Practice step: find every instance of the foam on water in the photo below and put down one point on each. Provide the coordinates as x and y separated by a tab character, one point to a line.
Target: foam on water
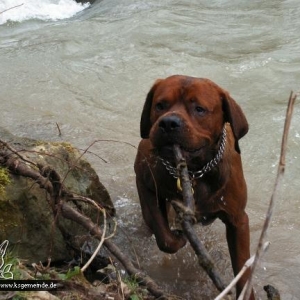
22	10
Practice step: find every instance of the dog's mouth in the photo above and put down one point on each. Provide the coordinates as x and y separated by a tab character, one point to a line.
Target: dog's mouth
168	150
190	150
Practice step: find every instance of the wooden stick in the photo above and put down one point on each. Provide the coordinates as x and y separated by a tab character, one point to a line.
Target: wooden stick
204	258
280	172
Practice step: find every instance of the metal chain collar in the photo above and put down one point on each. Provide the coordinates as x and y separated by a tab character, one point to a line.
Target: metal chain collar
210	165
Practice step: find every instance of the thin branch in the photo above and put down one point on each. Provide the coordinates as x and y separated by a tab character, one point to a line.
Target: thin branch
235	280
90	152
133	146
58	128
280	172
71	214
88	200
1	12
102	239
87	150
17	153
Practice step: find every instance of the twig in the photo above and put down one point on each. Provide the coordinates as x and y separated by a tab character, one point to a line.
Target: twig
17	153
71	214
119	280
58	128
246	266
1	12
90	152
204	258
88	200
87	150
102	239
41	268
280	172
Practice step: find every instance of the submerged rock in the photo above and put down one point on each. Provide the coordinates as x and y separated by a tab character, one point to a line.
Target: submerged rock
85	1
26	218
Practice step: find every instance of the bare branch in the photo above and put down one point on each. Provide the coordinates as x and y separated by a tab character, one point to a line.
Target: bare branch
58	128
279	177
71	214
1	12
246	266
102	239
17	153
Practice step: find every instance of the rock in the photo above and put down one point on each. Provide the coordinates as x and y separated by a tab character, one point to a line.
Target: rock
85	1
26	219
272	292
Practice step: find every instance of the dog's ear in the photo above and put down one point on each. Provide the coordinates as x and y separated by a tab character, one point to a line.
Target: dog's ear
235	116
145	124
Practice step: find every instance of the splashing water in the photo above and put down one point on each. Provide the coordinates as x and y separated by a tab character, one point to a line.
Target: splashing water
21	10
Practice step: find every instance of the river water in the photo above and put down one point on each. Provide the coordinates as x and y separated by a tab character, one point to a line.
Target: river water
88	69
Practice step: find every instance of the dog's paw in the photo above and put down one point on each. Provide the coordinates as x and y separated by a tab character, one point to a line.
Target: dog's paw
172	241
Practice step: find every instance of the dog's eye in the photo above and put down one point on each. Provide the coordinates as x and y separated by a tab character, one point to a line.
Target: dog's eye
159	106
200	110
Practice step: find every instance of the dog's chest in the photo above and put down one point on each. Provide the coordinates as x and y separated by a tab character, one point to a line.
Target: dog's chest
208	200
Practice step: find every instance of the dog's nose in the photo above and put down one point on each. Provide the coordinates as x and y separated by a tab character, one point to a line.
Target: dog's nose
170	123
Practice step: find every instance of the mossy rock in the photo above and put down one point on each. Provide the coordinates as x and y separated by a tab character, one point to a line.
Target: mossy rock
26	218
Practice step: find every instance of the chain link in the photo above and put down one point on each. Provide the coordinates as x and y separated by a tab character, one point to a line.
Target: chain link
210	165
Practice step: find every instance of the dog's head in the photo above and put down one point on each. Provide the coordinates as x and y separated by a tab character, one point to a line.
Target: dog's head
190	112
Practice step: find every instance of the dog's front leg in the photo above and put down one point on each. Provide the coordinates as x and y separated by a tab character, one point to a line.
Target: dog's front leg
238	239
155	215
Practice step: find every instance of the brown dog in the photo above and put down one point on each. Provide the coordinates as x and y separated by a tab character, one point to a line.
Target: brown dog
206	123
